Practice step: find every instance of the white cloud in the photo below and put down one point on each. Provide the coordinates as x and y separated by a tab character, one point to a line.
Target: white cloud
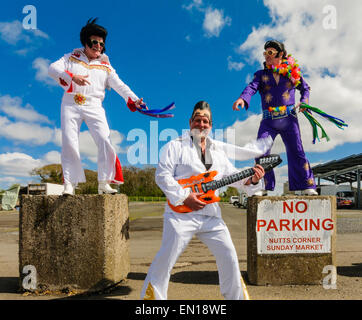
18	164
330	62
41	66
13	108
193	4
214	22
24	132
15	167
233	65
214	19
13	33
52	157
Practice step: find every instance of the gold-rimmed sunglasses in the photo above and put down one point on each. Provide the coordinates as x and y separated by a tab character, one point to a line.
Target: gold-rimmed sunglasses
270	53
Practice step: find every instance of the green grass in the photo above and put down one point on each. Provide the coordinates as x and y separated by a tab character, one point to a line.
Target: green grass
139	210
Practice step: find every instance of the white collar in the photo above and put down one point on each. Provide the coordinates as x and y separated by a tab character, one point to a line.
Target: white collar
80	51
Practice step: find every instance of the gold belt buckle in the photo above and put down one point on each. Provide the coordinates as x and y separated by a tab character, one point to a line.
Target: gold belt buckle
79	99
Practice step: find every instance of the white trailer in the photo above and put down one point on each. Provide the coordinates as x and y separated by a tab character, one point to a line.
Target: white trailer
45	189
332	189
240	200
344	194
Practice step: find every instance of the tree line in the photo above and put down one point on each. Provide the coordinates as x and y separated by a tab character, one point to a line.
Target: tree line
137	181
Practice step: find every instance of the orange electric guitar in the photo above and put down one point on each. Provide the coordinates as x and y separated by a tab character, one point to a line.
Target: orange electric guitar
204	183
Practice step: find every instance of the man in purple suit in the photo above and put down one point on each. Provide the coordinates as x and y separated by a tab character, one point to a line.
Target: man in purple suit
276	84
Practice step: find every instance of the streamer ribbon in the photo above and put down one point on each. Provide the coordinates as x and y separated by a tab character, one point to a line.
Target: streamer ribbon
157	113
314	123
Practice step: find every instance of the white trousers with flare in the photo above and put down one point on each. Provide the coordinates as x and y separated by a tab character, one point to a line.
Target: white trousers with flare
178	230
72	117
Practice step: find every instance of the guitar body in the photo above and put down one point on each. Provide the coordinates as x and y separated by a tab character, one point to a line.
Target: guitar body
204	183
194	183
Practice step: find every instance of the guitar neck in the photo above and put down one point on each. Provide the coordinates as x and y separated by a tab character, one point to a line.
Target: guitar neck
216	184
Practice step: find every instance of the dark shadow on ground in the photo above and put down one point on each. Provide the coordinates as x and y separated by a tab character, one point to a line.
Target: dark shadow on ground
196	277
9	285
115	291
137	276
191	277
350	271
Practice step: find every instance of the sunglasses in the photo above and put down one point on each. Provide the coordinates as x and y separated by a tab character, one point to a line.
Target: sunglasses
270	53
95	42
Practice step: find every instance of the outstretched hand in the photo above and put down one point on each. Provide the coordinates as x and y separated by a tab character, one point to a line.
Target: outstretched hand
139	103
240	102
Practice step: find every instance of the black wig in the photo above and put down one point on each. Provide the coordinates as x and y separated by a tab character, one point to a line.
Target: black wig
277	45
201	105
92	29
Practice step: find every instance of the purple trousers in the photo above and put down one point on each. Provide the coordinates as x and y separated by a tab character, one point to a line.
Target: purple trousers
300	174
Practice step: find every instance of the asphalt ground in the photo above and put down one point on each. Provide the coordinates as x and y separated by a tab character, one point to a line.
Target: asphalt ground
194	276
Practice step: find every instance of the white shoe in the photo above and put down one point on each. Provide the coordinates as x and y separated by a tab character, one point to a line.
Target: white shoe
258	193
105	188
68	189
309	192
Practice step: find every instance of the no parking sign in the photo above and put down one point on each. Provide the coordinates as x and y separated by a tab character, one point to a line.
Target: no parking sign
294	226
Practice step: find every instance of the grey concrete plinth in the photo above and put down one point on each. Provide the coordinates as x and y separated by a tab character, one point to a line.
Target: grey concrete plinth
74	242
291	239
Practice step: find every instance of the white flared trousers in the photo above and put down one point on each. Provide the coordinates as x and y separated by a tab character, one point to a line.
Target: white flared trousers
178	230
72	117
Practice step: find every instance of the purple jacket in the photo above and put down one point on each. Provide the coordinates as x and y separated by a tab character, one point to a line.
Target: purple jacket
273	94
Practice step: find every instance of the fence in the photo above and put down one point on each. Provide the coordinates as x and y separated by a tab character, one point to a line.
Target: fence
158	199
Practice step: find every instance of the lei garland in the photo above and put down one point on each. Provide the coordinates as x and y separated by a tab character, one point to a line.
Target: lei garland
288	68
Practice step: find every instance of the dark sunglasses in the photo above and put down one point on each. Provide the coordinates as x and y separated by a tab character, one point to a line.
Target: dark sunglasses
95	42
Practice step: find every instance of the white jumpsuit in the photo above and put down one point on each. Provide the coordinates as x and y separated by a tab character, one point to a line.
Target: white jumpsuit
181	160
84	103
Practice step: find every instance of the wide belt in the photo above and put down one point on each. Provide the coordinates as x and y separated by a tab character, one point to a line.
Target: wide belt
81	99
278	112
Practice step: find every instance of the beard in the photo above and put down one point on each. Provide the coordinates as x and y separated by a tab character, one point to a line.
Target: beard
198	134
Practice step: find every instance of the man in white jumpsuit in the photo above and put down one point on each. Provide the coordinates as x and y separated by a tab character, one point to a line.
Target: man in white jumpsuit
189	155
84	75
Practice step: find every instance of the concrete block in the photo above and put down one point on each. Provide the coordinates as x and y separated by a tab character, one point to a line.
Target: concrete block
290	239
74	242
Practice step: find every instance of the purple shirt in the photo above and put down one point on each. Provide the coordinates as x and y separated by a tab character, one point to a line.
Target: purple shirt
273	94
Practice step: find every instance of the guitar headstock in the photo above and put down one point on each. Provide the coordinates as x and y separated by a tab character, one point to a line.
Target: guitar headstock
269	162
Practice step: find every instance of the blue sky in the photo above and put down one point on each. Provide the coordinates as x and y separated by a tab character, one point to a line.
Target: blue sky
181	51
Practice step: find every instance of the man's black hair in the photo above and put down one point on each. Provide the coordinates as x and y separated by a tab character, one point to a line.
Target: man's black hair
202	105
277	45
92	29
